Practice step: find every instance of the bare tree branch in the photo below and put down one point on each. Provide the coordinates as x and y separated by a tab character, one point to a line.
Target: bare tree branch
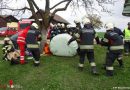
33	12
61	9
58	4
25	8
36	6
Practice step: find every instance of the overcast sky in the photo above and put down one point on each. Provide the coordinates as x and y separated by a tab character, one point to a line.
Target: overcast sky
116	16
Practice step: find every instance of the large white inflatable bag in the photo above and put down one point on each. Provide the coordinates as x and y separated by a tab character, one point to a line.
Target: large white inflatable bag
59	47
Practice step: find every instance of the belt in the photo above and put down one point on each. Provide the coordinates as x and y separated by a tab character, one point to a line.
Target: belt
86	46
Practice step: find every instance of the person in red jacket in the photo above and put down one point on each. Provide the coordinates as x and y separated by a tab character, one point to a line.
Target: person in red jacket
21	43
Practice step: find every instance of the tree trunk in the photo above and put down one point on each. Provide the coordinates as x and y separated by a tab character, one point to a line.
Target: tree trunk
44	38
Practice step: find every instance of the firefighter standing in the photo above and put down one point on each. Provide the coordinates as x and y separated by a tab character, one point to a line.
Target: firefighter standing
32	43
114	42
86	36
21	43
119	59
127	40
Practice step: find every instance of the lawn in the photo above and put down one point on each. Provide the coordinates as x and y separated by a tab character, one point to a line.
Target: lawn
61	73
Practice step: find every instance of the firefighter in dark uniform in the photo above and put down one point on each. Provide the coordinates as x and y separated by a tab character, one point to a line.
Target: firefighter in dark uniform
32	43
77	23
114	42
76	30
127	40
86	36
55	31
119	59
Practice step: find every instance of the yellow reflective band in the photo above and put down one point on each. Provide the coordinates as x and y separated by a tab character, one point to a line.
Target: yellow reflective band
86	46
92	64
109	68
32	46
105	40
81	65
77	35
116	47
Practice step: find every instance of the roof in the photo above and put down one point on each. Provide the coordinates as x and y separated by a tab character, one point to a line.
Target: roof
9	18
56	18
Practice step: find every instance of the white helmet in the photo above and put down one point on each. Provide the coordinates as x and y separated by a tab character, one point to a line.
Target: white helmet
35	25
109	26
58	25
52	25
86	21
63	25
6	39
77	20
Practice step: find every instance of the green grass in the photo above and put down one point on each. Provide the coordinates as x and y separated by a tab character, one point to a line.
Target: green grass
100	34
61	73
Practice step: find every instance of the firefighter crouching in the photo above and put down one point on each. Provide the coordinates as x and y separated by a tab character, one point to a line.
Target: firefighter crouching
32	43
9	53
86	36
114	42
127	40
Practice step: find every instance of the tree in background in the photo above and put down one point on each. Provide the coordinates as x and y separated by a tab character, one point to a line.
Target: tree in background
95	20
88	5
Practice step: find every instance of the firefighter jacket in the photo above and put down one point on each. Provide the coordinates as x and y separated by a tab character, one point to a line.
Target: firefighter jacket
33	36
117	30
22	35
113	41
86	36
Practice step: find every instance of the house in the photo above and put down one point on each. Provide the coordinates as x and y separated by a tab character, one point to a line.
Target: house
8	21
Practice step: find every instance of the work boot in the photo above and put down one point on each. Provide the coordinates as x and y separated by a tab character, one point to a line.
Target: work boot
109	72
104	66
126	54
80	68
94	70
36	63
14	62
22	62
121	65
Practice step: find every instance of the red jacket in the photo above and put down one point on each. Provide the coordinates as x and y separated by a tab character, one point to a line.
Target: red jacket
22	35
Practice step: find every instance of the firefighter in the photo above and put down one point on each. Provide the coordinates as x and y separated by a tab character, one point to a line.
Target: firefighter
120	57
76	30
9	53
32	43
21	43
127	40
6	48
86	36
77	23
114	42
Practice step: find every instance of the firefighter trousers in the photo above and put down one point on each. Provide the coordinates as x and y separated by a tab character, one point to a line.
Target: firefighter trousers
127	47
90	56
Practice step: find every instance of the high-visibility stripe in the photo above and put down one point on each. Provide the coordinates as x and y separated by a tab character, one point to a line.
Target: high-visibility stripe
36	61
21	37
93	64
109	68
86	46
105	40
21	57
32	46
77	35
21	41
127	40
116	47
81	65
